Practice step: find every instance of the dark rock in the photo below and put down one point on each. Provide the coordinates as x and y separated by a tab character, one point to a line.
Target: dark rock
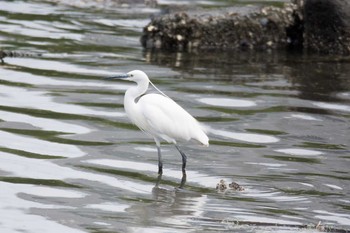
243	27
317	25
327	26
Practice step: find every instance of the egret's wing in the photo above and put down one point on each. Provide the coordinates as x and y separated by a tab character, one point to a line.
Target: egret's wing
168	120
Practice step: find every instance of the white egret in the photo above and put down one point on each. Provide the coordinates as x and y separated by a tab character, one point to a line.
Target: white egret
159	116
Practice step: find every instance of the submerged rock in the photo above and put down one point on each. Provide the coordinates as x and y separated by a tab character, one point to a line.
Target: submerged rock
223	187
258	28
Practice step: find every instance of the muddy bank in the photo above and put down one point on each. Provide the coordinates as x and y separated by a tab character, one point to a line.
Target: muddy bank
297	25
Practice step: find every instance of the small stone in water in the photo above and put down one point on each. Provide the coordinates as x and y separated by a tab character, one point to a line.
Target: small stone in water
236	186
222	186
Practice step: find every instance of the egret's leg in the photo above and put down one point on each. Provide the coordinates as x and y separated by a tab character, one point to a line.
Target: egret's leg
159	178
160	160
183	180
184	159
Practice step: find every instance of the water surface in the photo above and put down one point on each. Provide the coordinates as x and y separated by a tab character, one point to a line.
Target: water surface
70	161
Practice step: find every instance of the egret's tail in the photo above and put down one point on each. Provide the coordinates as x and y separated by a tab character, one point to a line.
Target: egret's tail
203	138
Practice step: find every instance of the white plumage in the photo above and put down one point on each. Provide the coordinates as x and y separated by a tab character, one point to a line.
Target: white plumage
165	119
159	116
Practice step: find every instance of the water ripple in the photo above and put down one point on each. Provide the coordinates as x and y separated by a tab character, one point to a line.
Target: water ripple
294	151
13	208
15	96
32	145
224	102
42	169
247	137
44	123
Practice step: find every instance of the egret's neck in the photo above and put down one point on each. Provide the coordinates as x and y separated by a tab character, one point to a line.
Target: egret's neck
130	97
136	91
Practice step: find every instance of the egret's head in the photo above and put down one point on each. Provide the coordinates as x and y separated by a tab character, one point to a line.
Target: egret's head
135	75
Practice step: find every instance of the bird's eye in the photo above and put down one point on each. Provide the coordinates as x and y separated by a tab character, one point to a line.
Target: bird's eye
131	75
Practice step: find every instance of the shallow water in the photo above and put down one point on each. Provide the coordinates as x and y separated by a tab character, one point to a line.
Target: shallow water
70	161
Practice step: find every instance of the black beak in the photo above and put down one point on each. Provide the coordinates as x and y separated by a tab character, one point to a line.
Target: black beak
120	76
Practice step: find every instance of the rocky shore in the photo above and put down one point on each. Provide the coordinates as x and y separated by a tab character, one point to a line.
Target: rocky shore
313	25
